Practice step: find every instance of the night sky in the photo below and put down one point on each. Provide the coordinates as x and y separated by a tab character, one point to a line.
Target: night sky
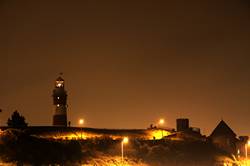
128	63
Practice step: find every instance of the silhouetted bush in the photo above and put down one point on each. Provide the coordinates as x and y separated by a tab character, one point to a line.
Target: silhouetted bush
16	121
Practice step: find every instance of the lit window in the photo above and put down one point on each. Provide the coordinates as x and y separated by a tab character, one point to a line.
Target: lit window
59	84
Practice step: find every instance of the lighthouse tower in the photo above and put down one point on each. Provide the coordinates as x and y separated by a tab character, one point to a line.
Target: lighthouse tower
60	102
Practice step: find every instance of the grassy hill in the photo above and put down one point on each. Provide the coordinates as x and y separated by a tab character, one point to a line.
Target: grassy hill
20	146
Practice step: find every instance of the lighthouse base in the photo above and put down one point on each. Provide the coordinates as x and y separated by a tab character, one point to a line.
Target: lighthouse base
60	120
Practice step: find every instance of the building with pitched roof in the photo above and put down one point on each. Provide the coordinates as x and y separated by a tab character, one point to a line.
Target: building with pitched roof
224	137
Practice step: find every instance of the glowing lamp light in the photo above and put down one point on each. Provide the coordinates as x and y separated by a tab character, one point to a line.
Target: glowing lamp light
238	151
125	140
81	121
161	121
248	143
59	84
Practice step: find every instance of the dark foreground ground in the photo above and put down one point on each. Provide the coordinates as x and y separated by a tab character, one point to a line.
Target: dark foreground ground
20	148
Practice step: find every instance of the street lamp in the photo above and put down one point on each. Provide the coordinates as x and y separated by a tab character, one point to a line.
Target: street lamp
161	123
0	110
246	147
81	122
124	141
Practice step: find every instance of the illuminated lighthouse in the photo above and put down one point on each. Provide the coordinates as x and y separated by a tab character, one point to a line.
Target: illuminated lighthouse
60	102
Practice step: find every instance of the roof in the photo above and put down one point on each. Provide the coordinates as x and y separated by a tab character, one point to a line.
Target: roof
222	129
59	79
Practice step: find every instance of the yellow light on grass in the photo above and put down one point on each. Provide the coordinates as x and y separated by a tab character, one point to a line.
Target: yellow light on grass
157	134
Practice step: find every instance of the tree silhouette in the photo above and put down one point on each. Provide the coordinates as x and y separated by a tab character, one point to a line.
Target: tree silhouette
17	120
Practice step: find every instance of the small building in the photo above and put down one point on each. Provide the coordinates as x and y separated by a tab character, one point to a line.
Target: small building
182	124
224	137
184	132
